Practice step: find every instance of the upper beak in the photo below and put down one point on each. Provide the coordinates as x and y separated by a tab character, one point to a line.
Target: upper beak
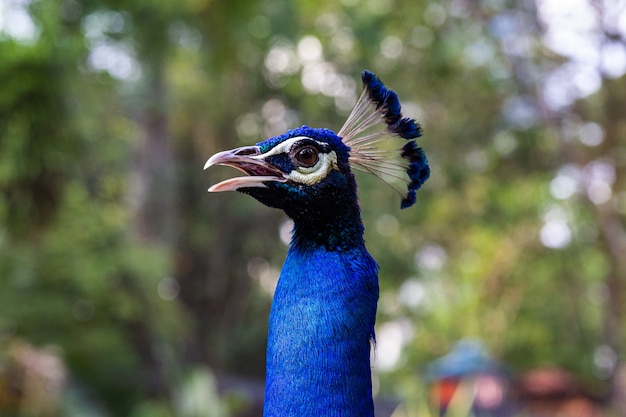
247	159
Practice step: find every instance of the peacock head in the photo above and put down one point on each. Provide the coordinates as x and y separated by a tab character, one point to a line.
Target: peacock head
311	167
299	168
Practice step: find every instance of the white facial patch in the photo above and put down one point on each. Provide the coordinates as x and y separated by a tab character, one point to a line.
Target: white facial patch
317	172
305	175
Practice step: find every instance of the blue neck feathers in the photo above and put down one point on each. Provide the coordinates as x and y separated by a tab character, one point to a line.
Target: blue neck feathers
320	330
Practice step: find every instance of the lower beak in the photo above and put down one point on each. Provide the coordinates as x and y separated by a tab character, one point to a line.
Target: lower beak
247	159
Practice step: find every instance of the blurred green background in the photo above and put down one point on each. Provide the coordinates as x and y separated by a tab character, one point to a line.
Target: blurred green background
127	290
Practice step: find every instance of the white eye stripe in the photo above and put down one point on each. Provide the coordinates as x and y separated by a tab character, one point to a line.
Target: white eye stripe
285	147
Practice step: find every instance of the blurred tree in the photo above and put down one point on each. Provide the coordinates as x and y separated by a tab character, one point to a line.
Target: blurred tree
71	275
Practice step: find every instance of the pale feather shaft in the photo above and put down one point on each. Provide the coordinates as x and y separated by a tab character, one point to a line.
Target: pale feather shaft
363	116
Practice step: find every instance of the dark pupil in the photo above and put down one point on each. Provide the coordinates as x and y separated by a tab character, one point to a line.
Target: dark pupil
307	156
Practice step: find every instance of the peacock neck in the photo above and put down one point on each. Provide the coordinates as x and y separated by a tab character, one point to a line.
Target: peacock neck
332	235
320	330
334	223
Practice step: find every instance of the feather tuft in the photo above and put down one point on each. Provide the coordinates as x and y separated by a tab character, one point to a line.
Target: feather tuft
376	107
406	128
418	169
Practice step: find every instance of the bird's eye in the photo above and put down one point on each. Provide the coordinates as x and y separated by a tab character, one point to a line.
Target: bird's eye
307	156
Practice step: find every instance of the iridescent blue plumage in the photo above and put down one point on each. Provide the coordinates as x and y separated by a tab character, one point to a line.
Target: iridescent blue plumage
321	325
322	320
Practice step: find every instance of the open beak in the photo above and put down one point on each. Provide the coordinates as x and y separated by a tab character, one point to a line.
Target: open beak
247	159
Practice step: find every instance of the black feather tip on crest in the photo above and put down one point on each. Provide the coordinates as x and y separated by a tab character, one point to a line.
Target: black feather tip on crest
387	102
418	171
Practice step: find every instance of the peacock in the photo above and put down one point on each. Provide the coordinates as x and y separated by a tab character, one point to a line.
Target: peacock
321	324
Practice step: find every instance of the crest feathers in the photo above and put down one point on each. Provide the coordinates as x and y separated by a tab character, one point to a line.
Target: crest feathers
374	121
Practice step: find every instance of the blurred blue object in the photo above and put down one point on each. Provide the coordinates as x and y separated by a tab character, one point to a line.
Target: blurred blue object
468	357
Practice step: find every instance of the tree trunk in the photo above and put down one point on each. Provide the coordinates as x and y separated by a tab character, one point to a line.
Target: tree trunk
613	235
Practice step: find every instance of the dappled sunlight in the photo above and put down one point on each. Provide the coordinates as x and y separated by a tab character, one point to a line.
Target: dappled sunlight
16	22
556	232
106	54
265	275
566	183
573	32
116	59
431	258
599	176
278	118
412	293
168	288
391	337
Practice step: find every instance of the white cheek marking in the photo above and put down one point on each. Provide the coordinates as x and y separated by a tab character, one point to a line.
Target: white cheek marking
317	172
